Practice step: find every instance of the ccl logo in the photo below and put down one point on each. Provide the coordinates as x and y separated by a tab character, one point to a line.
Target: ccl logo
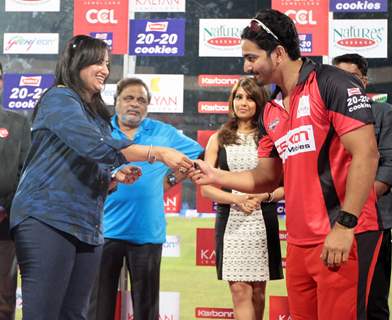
301	17
104	16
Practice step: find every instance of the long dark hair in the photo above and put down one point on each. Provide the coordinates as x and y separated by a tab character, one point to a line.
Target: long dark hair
80	52
228	133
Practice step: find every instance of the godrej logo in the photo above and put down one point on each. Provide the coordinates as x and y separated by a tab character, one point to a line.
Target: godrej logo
103	16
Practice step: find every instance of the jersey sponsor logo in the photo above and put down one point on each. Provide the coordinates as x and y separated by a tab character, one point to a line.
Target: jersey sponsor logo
296	141
353	91
303	107
358	102
4	133
272	125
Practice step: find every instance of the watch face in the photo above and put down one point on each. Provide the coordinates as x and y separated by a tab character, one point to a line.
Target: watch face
171	179
348	220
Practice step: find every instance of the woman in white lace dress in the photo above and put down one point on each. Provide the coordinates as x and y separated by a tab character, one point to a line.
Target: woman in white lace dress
247	239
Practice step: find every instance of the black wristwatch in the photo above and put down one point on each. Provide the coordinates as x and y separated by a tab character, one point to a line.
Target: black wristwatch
171	179
347	220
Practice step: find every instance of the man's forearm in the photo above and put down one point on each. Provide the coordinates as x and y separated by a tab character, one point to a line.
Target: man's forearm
360	180
251	181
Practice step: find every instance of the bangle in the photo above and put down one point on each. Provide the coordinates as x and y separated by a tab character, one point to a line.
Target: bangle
270	197
150	157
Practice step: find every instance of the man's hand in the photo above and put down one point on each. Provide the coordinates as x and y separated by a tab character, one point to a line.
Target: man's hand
203	173
337	246
127	174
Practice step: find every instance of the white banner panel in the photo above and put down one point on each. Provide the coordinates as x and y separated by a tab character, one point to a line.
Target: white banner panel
169	305
108	93
32	5
156	6
171	248
31	43
221	37
167	92
367	37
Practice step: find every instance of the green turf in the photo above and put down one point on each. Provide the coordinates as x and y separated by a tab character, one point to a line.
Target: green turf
198	285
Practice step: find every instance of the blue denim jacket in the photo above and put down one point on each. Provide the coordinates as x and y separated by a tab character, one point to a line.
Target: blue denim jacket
67	172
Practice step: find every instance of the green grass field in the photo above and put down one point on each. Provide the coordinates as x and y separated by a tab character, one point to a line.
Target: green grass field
198	285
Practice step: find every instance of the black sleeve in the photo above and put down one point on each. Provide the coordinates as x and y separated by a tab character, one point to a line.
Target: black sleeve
344	98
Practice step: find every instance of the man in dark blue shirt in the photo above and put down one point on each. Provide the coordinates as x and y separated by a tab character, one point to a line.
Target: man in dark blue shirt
378	308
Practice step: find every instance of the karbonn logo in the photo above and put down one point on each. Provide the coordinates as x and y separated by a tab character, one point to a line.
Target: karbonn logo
301	17
298	140
104	16
358	6
212	80
213	107
214	313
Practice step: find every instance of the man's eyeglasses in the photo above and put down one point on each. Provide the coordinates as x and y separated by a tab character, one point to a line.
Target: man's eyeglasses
256	24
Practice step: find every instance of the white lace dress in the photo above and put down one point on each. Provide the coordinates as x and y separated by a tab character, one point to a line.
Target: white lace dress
245	252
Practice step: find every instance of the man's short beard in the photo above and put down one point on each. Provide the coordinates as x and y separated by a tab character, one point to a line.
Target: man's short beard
130	123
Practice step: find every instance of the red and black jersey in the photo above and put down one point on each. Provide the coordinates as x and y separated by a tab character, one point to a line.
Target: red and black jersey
326	103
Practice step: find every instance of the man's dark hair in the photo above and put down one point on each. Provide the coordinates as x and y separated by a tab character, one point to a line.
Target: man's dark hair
353	58
80	52
282	26
124	83
1	71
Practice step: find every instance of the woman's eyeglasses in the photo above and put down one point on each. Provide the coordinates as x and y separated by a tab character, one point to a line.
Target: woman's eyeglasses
256	25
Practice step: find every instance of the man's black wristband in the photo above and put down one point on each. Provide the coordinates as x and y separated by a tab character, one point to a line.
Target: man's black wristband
347	219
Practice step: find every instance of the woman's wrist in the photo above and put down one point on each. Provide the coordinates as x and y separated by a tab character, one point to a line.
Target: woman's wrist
269	197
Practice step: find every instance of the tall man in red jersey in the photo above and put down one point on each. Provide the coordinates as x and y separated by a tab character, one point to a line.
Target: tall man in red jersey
317	130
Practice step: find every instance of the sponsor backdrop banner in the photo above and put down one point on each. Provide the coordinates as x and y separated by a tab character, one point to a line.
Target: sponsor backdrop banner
203	205
32	5
169	306
221	37
157	37
167	92
108	92
156	6
311	20
367	37
205	247
173	199
22	91
106	19
171	248
358	5
31	43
